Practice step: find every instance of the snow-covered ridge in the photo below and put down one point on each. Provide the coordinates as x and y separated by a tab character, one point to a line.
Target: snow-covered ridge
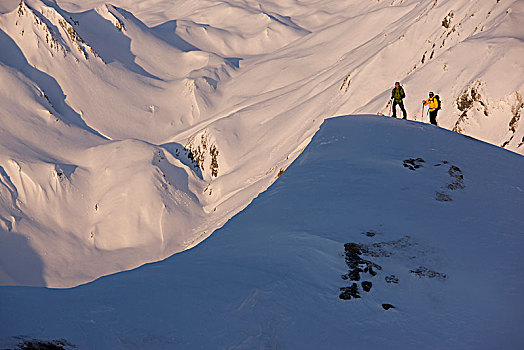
45	18
176	115
110	13
387	246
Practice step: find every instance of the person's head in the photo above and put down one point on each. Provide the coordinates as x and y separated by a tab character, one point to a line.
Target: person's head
431	94
397	84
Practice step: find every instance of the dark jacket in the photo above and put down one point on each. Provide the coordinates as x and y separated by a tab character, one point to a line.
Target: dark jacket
398	94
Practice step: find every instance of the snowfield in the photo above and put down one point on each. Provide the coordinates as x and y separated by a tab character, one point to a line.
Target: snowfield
131	131
440	229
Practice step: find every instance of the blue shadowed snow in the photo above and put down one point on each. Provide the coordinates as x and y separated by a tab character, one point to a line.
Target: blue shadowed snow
271	277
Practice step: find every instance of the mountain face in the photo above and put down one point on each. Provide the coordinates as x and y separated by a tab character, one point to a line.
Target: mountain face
132	130
356	245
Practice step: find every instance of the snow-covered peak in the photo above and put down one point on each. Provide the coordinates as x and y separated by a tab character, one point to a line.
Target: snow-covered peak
359	244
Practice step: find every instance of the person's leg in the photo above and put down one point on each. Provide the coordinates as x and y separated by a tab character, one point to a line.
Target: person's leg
394	115
404	113
433	117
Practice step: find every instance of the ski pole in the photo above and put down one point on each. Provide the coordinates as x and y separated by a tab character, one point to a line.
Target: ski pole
390	104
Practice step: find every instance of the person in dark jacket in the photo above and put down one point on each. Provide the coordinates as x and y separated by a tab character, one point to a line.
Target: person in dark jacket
397	95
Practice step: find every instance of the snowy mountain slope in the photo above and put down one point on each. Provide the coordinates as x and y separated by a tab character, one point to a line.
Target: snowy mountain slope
132	78
115	196
442	230
128	90
398	40
309	86
479	85
68	191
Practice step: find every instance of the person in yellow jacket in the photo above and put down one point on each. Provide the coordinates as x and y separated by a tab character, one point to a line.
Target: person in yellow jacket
433	103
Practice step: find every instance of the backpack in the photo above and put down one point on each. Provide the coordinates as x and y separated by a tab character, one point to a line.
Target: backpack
438	102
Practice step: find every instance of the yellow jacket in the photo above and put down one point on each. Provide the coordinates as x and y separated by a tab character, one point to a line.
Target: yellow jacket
432	103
